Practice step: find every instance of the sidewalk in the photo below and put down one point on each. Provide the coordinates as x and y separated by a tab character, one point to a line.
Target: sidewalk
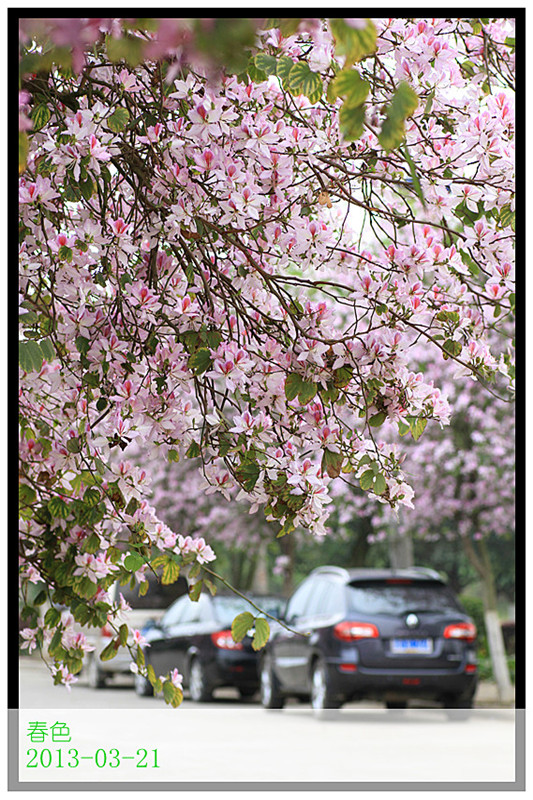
487	696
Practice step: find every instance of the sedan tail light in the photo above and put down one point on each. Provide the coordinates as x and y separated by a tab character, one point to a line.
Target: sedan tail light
351	631
225	641
466	631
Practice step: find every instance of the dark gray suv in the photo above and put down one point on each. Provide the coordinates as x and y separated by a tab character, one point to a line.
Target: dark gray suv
391	635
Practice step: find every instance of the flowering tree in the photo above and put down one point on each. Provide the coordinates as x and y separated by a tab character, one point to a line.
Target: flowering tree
464	481
234	265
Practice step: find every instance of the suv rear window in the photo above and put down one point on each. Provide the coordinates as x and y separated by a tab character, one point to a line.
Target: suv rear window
382	597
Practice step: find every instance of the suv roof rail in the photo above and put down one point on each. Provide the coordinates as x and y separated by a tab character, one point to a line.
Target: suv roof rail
343	573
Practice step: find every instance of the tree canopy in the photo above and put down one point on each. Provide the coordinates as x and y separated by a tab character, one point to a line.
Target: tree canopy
234	239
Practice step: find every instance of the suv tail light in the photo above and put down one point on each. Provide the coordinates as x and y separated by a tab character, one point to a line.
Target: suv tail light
350	631
461	630
225	641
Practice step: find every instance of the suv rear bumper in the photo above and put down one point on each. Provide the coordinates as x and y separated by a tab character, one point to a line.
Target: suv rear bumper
388	684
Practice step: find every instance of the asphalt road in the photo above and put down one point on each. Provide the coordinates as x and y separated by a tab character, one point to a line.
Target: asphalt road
37	691
235	740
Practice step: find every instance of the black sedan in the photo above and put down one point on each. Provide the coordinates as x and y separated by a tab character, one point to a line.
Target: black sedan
381	634
195	638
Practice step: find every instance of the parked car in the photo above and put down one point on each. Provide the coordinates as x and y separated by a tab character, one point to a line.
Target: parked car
151	605
195	638
391	635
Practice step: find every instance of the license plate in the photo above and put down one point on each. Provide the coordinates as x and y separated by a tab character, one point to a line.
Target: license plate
421	647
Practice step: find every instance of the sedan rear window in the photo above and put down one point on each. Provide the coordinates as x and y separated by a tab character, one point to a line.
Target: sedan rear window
380	597
227	608
158	596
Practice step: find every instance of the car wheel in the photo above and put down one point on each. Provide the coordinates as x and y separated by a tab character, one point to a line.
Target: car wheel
321	695
396	704
458	701
458	709
247	691
271	696
199	689
143	687
95	677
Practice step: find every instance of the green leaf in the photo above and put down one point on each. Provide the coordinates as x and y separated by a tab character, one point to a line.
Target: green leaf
52	617
302	80
133	562
351	122
403	104
55	644
171	572
193	451
507	217
353	43
110	651
378	419
123	635
285	64
23	150
40	116
65	253
92	544
342	377
349	85
261	634
268	64
47	349
331	463
128	49
211	586
27	494
366	480
30	356
195	591
452	347
293	385
73	445
403	428
418	427
256	75
241	625
82	345
159	561
173	696
87	188
92	497
307	392
200	361
414	176
58	508
91	379
287	26
118	120
247	474
173	455
380	484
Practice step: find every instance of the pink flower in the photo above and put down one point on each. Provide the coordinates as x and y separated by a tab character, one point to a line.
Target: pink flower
139	639
97	151
119	226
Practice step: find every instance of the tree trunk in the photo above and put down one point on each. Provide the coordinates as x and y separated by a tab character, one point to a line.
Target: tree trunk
359	545
287	547
400	551
259	581
481	563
